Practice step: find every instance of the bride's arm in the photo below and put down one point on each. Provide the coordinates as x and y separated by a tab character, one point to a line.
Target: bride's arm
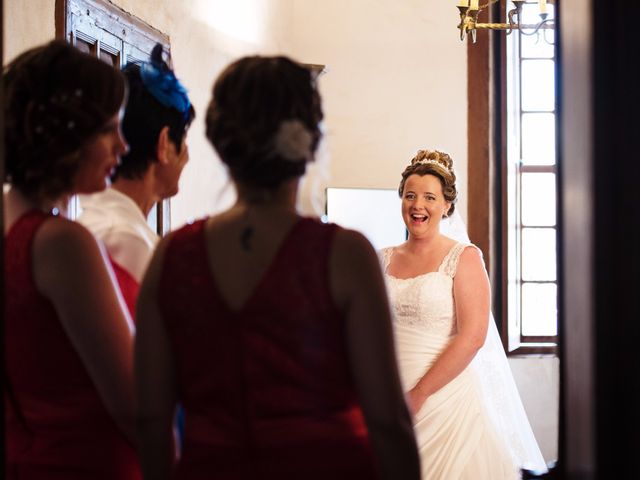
472	299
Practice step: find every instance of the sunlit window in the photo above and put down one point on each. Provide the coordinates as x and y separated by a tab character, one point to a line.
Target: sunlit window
531	185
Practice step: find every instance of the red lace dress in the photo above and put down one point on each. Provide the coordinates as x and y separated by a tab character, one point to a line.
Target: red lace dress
267	390
56	424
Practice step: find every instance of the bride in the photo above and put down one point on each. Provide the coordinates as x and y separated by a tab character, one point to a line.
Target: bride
468	417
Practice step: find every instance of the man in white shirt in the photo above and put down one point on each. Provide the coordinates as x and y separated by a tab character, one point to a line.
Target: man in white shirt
155	123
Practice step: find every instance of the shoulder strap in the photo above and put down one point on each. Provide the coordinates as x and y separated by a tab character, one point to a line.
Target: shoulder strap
384	256
449	264
186	241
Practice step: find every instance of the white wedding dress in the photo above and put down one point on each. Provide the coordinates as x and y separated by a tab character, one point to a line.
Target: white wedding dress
459	433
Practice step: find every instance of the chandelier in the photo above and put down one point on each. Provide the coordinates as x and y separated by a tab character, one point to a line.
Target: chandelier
470	9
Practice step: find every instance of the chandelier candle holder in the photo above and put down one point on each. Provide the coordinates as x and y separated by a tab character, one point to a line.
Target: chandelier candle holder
470	9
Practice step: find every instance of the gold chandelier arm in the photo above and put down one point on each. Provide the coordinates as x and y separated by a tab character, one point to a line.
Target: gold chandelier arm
506	26
469	17
493	26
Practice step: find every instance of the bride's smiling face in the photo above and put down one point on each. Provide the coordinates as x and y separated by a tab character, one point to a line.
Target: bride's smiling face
423	205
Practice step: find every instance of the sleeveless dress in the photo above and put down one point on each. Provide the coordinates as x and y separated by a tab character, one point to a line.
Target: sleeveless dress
267	390
456	438
56	424
129	286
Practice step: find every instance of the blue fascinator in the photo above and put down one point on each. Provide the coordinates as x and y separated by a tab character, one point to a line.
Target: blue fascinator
162	83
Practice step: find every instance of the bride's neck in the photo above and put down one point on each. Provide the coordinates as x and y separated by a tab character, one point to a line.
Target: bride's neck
422	245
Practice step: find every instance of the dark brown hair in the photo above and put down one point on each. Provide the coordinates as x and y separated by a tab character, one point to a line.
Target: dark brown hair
251	99
56	100
438	164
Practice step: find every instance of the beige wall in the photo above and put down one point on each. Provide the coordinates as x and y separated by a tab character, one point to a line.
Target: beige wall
396	82
205	36
27	24
388	65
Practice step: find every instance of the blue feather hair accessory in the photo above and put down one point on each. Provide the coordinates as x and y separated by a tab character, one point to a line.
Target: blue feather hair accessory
162	83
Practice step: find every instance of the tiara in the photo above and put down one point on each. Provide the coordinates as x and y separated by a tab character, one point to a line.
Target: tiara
431	161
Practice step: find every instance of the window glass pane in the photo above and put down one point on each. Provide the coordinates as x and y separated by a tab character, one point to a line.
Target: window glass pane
538	88
539	309
538	139
85	47
531	12
539	254
539	199
108	58
540	44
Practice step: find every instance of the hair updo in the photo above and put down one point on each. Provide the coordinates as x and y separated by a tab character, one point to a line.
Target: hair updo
56	99
264	120
438	164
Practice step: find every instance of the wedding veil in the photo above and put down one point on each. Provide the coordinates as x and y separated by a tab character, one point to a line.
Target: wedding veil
499	390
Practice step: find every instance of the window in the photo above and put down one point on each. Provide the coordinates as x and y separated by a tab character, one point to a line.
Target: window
531	187
100	28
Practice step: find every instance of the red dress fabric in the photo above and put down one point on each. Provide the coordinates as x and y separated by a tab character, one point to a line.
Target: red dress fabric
267	390
56	424
129	287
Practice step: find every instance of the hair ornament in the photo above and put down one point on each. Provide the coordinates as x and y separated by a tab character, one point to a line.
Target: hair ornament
425	161
431	161
162	83
59	112
293	141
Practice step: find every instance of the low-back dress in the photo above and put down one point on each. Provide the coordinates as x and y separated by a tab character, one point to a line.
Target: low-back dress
267	389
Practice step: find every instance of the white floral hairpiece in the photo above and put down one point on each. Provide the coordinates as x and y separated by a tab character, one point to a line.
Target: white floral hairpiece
293	141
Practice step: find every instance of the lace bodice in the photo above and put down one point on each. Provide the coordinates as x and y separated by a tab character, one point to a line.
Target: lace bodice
425	301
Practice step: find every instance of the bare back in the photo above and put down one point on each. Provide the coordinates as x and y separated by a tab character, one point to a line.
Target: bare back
237	266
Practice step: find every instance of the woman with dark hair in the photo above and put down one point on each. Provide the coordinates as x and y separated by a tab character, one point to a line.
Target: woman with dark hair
156	118
68	349
273	330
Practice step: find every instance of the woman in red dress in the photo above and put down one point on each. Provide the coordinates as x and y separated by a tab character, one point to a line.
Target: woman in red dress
271	329
68	340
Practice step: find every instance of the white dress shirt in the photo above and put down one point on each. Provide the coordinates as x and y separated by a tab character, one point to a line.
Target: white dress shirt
116	220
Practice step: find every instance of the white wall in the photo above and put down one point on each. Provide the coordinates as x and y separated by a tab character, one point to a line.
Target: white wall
537	378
